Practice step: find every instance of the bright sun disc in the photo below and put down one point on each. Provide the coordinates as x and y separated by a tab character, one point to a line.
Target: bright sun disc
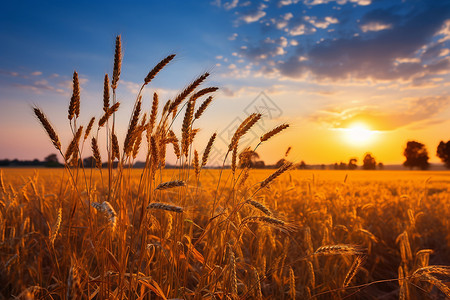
359	134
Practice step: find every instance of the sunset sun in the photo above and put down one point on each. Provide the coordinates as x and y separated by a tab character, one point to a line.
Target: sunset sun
359	134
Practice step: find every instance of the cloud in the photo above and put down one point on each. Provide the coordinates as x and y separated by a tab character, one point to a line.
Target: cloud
231	4
375	26
36	73
322	24
375	55
341	2
410	113
233	37
265	49
253	14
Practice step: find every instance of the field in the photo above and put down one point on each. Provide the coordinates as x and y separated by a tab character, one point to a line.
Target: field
94	230
309	234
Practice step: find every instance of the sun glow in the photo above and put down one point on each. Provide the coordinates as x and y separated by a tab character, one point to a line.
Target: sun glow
359	134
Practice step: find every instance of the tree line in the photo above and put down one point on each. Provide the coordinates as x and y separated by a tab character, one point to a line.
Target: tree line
416	155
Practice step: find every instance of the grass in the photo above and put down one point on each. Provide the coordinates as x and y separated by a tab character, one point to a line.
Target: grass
196	233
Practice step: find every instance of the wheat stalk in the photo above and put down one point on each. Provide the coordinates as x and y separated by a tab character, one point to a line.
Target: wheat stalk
186	128
338	250
108	114
178	99
56	227
48	128
72	150
273	132
96	153
259	206
106	93
106	208
158	68
277	173
170	184
89	128
74	105
208	149
165	206
117	63
130	137
353	270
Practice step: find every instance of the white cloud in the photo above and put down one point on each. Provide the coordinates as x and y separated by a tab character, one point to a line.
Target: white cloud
341	2
233	37
254	15
36	73
375	26
298	30
230	5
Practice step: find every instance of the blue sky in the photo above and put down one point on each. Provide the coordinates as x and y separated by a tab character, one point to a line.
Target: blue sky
325	65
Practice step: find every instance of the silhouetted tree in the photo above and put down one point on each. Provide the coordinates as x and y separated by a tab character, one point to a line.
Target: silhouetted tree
259	164
369	162
443	152
89	162
51	161
380	166
302	165
416	155
342	166
352	163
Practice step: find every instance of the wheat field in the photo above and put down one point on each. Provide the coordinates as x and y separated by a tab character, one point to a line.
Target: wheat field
114	232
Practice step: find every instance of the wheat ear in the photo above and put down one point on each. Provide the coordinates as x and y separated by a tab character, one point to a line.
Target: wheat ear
273	132
89	128
96	153
208	149
170	184
158	68
178	99
48	127
165	206
277	173
117	63
106	93
74	105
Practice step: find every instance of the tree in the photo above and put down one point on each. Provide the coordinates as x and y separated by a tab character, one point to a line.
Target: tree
380	166
416	155
51	161
443	152
352	163
369	162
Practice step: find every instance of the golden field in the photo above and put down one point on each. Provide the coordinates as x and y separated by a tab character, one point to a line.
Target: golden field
197	233
391	224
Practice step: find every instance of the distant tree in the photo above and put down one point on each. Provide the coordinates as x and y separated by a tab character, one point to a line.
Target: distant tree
89	162
302	165
443	152
380	166
352	163
342	166
416	155
51	161
369	162
260	164
336	166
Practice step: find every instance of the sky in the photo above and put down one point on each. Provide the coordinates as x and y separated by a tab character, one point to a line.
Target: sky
349	76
